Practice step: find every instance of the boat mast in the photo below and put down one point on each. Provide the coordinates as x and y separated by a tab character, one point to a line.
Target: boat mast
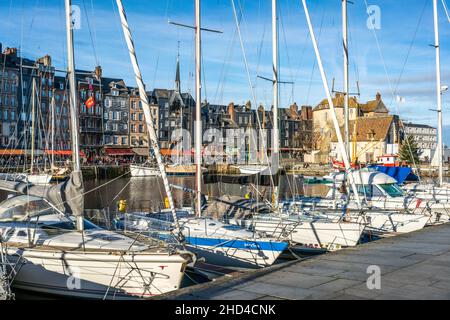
275	93
198	108
33	120
341	145
346	97
438	90
53	131
73	100
146	108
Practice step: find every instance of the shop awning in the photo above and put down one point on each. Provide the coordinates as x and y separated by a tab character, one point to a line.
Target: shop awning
144	152
63	153
174	152
119	152
12	152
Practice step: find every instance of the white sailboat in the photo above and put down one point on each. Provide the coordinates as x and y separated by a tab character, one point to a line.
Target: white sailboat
144	170
70	257
302	230
216	242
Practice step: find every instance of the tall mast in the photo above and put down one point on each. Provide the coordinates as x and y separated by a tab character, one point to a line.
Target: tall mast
198	107
346	97
438	90
337	129
73	99
33	121
53	130
146	108
275	91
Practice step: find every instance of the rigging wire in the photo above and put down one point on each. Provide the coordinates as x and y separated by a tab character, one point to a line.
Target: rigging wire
90	33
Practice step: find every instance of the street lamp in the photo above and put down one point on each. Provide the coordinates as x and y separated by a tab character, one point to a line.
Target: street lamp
444	89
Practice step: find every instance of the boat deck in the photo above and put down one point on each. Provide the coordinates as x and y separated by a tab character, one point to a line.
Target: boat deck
412	266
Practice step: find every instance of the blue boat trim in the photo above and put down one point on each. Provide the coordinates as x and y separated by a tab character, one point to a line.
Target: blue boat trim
238	244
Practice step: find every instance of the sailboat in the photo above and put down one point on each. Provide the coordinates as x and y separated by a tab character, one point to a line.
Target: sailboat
302	230
441	192
35	177
60	253
216	242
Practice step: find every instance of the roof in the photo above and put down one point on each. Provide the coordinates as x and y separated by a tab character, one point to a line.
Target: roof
338	102
416	125
369	128
377	106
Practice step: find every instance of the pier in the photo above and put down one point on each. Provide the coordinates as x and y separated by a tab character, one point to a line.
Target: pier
411	266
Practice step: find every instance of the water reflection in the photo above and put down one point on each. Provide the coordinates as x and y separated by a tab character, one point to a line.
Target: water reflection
147	194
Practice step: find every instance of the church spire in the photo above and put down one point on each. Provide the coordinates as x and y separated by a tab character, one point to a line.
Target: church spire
177	75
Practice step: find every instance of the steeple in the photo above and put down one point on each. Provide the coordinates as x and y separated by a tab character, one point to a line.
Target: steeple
177	75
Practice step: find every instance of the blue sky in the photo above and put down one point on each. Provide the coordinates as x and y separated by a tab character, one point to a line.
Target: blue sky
37	27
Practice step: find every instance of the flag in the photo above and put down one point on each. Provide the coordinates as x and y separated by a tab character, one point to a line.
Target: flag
400	99
90	102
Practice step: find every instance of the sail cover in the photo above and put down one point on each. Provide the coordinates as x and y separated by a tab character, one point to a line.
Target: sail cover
67	196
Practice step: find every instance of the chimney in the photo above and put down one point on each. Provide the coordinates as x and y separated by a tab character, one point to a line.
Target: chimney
10	51
378	96
98	72
294	111
231	111
248	106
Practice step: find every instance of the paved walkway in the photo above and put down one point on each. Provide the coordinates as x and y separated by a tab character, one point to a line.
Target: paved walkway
413	266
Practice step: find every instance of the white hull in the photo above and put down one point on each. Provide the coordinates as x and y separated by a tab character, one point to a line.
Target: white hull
217	243
97	275
388	222
39	179
319	234
142	171
254	169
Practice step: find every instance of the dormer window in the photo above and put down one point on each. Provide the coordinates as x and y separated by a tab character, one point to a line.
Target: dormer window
371	134
115	92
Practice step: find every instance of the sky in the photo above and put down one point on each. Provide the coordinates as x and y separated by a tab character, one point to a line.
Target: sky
395	59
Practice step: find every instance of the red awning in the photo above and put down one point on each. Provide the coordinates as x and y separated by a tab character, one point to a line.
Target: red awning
119	152
11	152
172	152
63	153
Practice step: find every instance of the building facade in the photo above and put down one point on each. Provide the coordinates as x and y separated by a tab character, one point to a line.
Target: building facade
425	136
116	113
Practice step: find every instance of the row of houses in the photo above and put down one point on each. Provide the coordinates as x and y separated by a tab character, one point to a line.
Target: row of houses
34	95
373	131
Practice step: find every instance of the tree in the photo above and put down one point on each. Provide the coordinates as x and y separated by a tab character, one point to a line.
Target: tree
409	151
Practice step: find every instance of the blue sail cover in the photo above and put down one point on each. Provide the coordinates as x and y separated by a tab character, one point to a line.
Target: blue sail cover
401	174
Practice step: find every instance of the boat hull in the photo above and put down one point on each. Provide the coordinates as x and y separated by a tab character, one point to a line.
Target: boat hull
236	253
140	171
97	275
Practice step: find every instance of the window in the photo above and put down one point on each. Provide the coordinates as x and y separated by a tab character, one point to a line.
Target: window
141	116
105	115
392	190
133	128
124	140
133	116
141	128
115	140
